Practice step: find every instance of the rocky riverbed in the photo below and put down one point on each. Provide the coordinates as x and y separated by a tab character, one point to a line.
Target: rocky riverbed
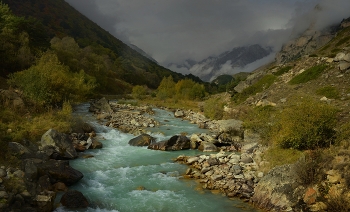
229	163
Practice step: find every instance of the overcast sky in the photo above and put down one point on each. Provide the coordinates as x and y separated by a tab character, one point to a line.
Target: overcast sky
175	30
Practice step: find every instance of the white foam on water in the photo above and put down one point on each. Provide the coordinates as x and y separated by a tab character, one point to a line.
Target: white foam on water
116	172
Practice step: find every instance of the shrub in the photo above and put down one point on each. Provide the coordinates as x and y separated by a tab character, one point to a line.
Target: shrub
139	91
337	202
282	70
309	74
307	167
329	92
308	124
277	156
260	119
213	108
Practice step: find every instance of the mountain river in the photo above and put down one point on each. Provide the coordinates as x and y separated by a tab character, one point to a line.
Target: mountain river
125	178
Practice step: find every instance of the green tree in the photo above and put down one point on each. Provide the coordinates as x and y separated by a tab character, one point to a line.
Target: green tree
166	88
139	91
50	82
15	52
214	108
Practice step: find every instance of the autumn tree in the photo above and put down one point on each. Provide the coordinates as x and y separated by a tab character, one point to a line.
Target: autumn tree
166	88
139	91
50	82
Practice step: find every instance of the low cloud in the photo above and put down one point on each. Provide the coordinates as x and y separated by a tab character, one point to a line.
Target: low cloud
172	31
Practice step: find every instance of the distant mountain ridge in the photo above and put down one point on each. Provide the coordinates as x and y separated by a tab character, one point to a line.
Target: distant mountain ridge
226	62
143	53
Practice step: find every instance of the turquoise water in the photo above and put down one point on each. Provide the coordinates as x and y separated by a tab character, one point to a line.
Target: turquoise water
114	176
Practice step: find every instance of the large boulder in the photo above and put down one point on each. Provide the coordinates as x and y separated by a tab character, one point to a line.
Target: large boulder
142	140
59	171
74	199
100	106
279	190
87	128
20	151
231	126
177	142
58	145
207	147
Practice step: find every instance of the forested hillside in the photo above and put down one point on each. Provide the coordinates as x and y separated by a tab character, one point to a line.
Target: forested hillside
78	42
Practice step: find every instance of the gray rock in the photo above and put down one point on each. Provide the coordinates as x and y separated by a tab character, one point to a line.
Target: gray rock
101	106
205	170
142	140
249	147
278	190
192	160
3	195
213	161
46	201
62	146
347	57
216	177
18	173
179	114
207	147
343	65
2	172
74	199
19	150
246	159
230	125
339	57
59	171
177	142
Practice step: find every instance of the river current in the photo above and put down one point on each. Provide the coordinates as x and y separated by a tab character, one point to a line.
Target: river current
125	178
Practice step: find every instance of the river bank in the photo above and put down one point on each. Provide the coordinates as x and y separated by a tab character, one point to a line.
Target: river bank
75	171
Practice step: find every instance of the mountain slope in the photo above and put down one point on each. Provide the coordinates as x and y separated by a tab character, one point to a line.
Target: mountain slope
60	20
229	62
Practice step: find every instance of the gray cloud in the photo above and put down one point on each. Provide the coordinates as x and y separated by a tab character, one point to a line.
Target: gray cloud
175	30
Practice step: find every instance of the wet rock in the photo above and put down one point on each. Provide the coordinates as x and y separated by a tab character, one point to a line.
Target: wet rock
142	140
60	187
60	143
74	199
100	106
59	171
207	147
96	144
177	142
87	128
45	201
179	113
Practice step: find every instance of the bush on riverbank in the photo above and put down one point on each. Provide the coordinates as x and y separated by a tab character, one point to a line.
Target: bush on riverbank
21	124
306	124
